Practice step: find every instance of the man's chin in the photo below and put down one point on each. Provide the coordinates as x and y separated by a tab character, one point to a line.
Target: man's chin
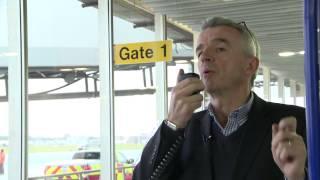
210	90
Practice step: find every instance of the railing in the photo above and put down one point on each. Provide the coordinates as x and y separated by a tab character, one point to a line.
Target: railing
81	174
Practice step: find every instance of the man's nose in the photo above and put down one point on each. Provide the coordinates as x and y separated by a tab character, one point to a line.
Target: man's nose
206	56
205	59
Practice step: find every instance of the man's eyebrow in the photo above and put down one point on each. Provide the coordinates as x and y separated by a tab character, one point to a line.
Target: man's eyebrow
221	40
199	47
217	40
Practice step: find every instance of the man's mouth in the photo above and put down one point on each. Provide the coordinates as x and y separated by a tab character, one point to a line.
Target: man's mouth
205	72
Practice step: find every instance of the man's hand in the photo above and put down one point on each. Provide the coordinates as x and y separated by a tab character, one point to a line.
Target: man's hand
183	102
288	149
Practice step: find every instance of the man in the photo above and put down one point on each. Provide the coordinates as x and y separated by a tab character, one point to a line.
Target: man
239	136
2	158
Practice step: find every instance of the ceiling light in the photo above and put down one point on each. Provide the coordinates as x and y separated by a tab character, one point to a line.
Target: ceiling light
66	69
181	62
301	52
195	60
286	54
81	69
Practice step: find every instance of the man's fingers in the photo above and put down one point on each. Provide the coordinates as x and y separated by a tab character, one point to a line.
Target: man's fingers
195	98
188	86
280	137
190	99
190	107
288	124
180	73
285	130
193	87
285	153
288	148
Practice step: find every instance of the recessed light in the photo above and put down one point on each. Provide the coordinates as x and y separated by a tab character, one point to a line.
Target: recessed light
66	69
181	62
301	52
195	60
81	69
286	54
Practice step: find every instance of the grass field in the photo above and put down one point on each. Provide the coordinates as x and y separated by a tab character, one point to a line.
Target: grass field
65	148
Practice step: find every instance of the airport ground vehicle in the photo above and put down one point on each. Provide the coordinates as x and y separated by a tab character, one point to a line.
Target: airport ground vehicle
86	160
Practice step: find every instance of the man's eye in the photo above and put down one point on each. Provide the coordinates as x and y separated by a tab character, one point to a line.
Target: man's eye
199	54
220	49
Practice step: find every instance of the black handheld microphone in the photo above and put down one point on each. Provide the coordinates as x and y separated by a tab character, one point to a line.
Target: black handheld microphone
188	75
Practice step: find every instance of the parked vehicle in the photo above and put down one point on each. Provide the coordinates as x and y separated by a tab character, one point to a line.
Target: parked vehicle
86	160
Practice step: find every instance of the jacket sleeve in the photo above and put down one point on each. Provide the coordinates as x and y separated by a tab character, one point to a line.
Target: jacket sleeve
159	157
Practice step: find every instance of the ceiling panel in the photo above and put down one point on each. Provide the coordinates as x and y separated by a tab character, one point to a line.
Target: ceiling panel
278	24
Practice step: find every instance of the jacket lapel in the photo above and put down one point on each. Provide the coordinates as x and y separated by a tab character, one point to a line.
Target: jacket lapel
195	154
206	152
257	128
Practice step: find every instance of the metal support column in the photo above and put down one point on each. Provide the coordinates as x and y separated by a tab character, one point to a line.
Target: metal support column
293	91
195	58
105	13
281	89
303	93
161	71
266	83
311	13
17	90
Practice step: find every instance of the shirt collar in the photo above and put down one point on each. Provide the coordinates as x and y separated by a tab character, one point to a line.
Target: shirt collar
235	119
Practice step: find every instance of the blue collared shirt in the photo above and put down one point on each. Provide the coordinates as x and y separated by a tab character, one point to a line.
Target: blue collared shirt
235	119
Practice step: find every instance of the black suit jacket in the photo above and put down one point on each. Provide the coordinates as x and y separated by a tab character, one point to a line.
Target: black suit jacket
185	155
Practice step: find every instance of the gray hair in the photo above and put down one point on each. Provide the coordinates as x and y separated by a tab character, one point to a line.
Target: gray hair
251	45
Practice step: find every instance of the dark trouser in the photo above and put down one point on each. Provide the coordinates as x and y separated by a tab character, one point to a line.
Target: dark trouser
1	169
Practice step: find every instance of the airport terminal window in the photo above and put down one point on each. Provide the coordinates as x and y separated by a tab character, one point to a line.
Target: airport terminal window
4	105
135	100
9	89
135	108
4	134
64	103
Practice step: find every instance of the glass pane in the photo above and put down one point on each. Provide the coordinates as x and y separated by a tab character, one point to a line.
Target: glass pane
4	114
135	100
9	60
135	107
4	105
64	122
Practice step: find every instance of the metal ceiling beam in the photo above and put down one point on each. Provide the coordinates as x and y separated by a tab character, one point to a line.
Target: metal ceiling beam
214	7
290	16
236	14
206	3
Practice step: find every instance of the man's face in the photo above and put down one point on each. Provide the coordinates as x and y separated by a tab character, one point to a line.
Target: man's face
222	61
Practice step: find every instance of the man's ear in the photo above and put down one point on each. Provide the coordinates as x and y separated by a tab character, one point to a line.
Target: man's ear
252	65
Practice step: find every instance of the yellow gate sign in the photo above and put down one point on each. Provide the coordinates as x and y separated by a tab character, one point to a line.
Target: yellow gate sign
143	52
